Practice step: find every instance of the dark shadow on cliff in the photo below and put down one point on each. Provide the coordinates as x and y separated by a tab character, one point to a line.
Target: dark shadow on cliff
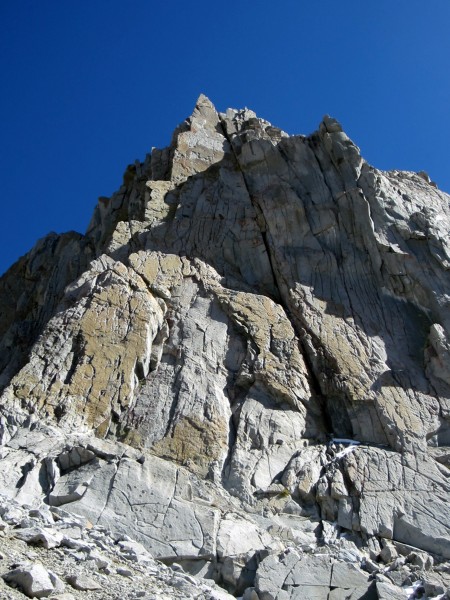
30	292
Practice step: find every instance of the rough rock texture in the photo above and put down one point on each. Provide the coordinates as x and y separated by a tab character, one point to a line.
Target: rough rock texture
244	362
87	562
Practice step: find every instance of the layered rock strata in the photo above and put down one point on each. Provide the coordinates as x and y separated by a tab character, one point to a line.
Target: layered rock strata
247	352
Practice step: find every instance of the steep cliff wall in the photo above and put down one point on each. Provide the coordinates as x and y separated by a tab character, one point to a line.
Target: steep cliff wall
247	351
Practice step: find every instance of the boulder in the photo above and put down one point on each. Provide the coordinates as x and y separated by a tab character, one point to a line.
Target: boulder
32	579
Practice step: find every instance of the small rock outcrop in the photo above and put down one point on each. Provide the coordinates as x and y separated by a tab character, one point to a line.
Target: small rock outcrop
242	368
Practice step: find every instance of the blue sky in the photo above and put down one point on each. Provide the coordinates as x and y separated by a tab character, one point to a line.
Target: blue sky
89	86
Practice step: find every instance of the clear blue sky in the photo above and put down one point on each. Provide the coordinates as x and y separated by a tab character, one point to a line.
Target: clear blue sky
89	86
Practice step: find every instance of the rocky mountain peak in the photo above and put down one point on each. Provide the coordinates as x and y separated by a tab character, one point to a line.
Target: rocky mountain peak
243	365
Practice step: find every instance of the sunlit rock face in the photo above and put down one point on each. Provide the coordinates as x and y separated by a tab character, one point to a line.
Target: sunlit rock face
247	351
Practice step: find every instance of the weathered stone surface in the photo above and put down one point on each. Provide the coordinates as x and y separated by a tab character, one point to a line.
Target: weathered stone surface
248	350
33	579
39	535
292	575
136	574
83	583
346	575
98	354
387	591
354	593
31	291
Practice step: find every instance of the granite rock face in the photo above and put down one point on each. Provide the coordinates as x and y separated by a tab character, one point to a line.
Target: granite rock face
247	354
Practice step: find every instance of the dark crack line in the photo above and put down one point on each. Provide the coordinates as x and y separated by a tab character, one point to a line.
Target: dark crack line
258	212
313	379
110	490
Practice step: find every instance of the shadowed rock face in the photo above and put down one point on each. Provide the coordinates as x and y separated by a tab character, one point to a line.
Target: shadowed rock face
243	300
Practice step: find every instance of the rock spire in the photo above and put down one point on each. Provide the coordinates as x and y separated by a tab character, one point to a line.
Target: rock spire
244	364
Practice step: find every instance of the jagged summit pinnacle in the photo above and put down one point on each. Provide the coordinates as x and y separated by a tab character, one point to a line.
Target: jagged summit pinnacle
244	364
331	125
204	102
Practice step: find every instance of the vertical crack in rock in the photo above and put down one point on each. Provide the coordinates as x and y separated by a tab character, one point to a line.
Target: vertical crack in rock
282	285
278	297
